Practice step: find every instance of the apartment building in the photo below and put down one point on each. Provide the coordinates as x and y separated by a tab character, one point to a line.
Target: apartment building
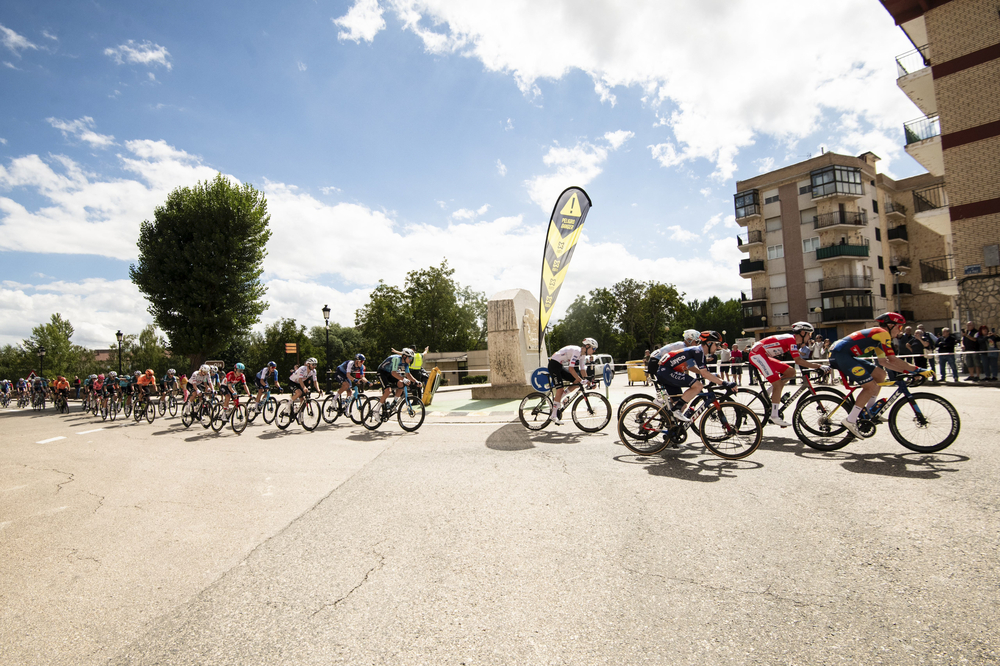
833	242
953	77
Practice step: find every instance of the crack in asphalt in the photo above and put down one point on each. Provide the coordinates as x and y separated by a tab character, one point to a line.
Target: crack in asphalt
722	588
364	579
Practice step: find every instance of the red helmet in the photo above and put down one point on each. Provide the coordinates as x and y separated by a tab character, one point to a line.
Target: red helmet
888	318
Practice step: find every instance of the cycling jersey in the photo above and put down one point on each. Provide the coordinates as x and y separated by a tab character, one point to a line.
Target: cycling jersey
844	353
268	373
666	349
233	378
303	374
776	345
198	378
395	363
570	355
146	380
672	368
675	359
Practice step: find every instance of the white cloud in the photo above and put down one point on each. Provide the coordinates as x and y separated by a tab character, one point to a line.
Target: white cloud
3	141
83	130
501	168
705	192
466	214
711	108
618	139
678	233
14	42
302	66
49	35
509	126
330	190
362	21
146	53
577	166
765	164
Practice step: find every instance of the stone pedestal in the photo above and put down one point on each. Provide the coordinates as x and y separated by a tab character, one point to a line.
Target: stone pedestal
512	341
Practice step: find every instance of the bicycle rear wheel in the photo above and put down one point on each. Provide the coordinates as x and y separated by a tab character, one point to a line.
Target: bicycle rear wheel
535	410
644	397
727	432
270	410
219	418
356	408
373	414
591	412
924	423
239	420
161	406
331	408
311	414
640	426
411	415
817	422
283	417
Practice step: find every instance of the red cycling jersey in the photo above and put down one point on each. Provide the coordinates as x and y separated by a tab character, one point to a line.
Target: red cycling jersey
776	345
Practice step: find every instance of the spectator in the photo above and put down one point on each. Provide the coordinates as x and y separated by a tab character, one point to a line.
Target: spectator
970	345
904	341
817	348
923	344
725	356
645	359
946	353
76	386
988	347
736	363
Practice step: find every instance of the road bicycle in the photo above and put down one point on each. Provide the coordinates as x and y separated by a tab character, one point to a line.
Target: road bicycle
267	407
61	404
168	402
334	405
921	422
4	400
728	429
236	415
144	408
306	412
198	407
759	399
590	410
408	409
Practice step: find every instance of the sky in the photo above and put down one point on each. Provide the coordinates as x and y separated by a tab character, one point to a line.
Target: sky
389	135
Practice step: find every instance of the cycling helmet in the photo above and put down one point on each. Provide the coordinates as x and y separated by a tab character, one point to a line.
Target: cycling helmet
205	369
112	374
710	336
137	373
692	334
272	364
171	371
360	357
241	367
802	327
311	361
590	342
407	352
100	376
92	377
149	372
889	318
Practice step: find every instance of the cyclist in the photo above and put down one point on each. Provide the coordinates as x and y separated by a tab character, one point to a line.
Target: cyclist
231	381
61	388
301	377
200	380
269	372
216	377
349	372
568	364
672	371
169	381
691	337
394	371
764	356
147	384
877	340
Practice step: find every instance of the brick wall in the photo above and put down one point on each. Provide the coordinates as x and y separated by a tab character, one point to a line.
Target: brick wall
972	171
969	98
958	28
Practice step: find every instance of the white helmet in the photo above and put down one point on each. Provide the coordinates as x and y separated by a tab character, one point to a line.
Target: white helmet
171	371
802	327
407	352
590	342
112	374
205	369
311	361
692	334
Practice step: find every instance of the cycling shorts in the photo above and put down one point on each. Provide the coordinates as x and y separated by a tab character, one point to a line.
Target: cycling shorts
858	370
559	375
387	379
675	381
770	369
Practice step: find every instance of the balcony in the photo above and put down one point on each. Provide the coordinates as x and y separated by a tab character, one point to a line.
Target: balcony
840	218
895	211
753	238
845	282
842	251
914	78
755	295
751	322
836	182
748	267
902	288
747	206
930	198
855	313
937	275
923	143
931	209
897	234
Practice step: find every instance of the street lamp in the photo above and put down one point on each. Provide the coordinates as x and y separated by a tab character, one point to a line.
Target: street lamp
119	336
41	361
329	371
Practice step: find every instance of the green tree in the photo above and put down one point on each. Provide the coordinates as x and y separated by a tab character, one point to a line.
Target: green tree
62	357
717	315
270	346
200	263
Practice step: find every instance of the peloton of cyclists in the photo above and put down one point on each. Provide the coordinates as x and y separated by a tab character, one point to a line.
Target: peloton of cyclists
672	371
764	356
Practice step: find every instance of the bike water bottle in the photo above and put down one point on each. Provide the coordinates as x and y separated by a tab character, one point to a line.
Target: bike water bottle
878	406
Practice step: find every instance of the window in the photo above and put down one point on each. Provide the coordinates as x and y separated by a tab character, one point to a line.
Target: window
773	224
807	216
836	180
881	264
810	244
747	204
777	281
881	290
778	309
814	274
875	206
805	189
771	199
878	234
775	251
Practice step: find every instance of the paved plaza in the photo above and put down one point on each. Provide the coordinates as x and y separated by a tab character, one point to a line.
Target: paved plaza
474	541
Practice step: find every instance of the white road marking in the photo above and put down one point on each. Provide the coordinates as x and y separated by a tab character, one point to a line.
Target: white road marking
87	432
52	439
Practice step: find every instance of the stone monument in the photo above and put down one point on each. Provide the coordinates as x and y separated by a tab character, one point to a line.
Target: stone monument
512	341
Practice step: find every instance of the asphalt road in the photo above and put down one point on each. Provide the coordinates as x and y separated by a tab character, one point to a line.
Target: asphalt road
474	541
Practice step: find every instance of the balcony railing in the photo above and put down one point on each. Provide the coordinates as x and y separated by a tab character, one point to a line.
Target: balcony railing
759	294
937	269
842	250
856	313
897	233
752	238
922	129
747	266
930	198
846	217
911	62
754	321
893	208
845	282
902	288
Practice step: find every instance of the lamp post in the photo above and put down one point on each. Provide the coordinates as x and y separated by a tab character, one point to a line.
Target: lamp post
41	361
119	336
329	371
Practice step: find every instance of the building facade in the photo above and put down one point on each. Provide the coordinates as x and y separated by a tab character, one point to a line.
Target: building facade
833	242
953	77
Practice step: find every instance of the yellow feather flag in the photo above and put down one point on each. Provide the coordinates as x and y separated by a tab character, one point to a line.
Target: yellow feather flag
565	226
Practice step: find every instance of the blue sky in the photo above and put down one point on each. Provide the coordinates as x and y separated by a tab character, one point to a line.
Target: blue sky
418	130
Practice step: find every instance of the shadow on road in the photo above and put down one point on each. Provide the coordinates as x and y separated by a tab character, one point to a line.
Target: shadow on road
904	465
689	464
511	437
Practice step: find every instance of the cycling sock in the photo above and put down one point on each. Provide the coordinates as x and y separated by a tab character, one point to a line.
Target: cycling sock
871	403
853	416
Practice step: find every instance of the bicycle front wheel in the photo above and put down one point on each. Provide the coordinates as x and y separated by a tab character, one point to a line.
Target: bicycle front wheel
172	405
535	410
411	415
269	410
150	412
331	408
356	409
644	397
924	423
219	418
640	426
283	417
817	419
731	430
591	412
372	418
239	420
312	413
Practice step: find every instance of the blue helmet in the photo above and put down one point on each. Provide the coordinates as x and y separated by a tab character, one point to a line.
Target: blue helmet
272	364
359	357
241	367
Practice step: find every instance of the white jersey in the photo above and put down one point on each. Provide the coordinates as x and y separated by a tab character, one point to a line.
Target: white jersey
303	374
666	349
198	378
570	356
